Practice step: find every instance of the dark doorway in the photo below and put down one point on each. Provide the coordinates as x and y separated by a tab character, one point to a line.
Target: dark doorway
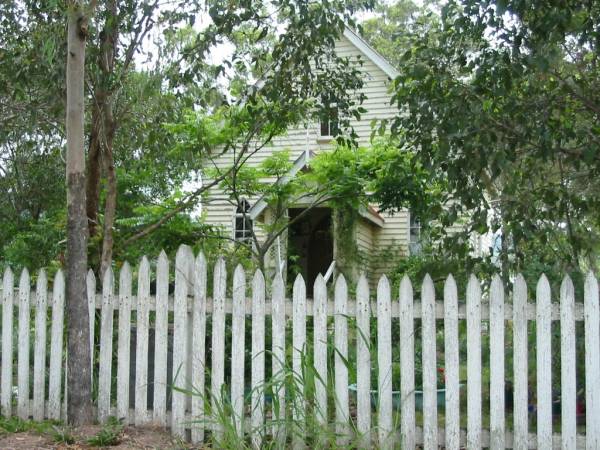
310	245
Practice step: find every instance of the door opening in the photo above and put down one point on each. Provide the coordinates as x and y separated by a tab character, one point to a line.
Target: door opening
310	245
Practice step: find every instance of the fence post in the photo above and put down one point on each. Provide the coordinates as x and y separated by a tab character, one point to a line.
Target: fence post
161	339
407	364
23	343
123	343
363	362
258	360
568	391
429	364
218	342
592	362
384	363
342	412
299	352
56	346
141	343
7	342
278	358
198	343
106	341
238	331
451	364
39	361
544	363
497	364
183	260
473	363
91	298
520	366
320	344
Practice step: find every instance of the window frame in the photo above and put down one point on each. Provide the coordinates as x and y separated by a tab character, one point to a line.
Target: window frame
245	234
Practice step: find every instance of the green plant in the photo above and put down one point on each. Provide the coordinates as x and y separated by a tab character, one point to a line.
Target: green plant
62	435
18	425
110	434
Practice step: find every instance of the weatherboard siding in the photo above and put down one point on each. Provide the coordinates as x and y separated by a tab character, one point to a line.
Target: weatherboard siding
305	137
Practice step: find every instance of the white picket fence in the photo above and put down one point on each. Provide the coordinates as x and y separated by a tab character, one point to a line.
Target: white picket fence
186	311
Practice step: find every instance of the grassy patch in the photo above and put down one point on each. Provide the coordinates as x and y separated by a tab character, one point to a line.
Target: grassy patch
18	425
110	434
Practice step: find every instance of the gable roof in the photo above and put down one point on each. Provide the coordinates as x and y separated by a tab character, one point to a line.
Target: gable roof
370	53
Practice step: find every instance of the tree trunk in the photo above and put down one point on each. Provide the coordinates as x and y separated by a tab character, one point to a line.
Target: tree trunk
93	170
110	205
79	407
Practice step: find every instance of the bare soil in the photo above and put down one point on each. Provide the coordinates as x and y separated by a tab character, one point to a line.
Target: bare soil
131	438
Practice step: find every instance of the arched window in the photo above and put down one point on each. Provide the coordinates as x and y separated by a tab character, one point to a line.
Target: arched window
243	223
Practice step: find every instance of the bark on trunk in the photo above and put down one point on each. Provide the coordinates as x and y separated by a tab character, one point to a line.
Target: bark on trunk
93	172
79	407
110	206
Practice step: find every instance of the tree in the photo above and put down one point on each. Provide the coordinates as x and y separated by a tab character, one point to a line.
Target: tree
79	409
499	102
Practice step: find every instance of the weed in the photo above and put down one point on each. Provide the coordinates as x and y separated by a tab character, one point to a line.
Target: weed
110	434
62	435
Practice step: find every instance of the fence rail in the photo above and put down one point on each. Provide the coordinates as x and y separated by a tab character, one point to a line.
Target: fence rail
250	362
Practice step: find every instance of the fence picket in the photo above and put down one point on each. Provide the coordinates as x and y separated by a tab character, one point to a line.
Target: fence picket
384	363
39	352
123	343
258	359
183	259
298	354
363	362
90	281
238	330
320	344
544	363
520	366
218	341
23	343
278	360
7	342
106	341
497	364
429	365
56	346
568	392
198	343
161	339
592	362
141	343
407	364
473	363
451	364
342	409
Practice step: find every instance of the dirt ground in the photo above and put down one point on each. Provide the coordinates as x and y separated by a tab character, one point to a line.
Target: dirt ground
130	439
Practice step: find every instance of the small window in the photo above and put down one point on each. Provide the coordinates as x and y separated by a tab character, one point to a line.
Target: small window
243	223
329	119
415	236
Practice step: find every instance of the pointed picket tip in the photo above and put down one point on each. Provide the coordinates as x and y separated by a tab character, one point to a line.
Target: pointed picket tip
543	283
200	260
520	279
591	284
473	284
91	276
566	287
144	263
163	255
125	271
259	278
220	263
277	284
24	277
428	288
450	283
384	283
362	284
42	278
183	250
299	282
59	277
108	278
406	286
239	276
8	276
340	284
497	285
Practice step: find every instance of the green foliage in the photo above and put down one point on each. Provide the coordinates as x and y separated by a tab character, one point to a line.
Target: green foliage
62	435
499	101
17	425
109	435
